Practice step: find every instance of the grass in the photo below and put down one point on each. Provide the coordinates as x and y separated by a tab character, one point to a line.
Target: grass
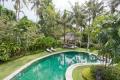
82	73
9	67
86	73
77	73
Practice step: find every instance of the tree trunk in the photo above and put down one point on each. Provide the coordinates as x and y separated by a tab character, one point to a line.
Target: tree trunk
64	34
18	12
80	36
106	61
18	15
103	58
88	44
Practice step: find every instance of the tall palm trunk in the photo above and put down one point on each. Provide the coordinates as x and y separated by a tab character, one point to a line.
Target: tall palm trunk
106	57
18	12
88	43
64	34
80	34
114	56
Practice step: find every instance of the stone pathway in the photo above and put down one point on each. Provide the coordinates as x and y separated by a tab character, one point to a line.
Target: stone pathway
70	69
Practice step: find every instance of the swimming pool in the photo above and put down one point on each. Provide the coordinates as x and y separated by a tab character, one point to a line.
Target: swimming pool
54	67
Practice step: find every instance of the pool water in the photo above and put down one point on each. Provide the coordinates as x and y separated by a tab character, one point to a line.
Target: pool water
54	67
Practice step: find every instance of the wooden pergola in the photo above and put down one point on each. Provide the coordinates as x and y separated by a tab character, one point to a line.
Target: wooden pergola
70	39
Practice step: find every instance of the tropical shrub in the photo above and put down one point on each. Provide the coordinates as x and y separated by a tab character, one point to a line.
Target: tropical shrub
16	37
5	12
8	50
45	42
4	52
108	73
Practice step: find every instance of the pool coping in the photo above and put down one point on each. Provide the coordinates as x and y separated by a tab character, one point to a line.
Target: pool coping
69	71
9	77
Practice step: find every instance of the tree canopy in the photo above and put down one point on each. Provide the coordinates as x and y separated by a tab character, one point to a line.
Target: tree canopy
95	27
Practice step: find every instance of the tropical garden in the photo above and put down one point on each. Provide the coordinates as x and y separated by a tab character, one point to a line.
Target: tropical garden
96	23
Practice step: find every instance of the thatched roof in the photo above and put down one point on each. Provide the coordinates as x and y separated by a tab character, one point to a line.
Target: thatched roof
69	36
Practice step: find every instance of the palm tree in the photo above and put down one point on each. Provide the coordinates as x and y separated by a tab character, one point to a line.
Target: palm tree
18	5
78	19
92	9
109	38
105	45
39	5
66	21
113	5
115	37
36	6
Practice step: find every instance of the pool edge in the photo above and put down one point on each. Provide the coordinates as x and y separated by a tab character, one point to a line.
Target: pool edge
69	71
9	77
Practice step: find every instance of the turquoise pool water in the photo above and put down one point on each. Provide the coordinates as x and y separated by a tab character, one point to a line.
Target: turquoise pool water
54	67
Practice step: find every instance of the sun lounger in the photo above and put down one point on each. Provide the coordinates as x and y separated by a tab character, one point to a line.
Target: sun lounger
48	50
53	49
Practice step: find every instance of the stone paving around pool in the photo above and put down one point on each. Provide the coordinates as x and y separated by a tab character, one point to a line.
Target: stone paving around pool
70	69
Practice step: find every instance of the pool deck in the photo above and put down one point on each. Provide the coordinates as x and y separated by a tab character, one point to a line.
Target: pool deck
70	69
29	63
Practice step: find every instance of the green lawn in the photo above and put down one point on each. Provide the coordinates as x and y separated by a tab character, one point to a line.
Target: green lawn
82	73
11	66
77	73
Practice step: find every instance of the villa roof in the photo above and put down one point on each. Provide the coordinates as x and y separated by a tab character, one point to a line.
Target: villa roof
69	36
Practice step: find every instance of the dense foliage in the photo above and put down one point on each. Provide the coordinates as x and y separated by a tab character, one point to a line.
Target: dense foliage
43	43
94	29
95	26
109	73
